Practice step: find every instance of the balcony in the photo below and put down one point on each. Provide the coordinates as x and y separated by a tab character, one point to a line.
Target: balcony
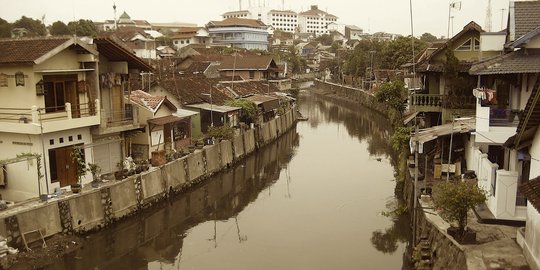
36	120
427	102
117	121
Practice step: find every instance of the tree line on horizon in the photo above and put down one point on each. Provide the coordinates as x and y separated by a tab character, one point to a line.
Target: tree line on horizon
36	28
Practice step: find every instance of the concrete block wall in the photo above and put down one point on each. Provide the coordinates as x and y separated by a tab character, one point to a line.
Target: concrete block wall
123	198
102	206
86	211
238	147
213	160
174	173
46	219
196	167
152	184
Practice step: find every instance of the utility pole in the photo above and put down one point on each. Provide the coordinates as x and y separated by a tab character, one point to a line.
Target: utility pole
502	18
415	198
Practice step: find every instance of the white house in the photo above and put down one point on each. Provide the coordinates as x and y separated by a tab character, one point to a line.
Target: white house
315	21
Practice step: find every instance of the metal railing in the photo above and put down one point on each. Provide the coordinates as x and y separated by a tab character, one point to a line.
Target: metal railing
117	118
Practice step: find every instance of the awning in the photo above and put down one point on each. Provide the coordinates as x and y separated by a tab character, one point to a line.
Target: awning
432	133
184	113
268	103
160	121
410	118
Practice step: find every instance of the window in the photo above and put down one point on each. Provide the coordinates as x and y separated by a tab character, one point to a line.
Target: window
57	91
252	74
476	44
466	46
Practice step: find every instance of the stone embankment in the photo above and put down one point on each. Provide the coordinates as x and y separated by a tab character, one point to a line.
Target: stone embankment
353	94
96	208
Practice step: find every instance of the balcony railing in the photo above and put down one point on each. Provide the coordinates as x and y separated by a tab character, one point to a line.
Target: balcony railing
117	118
427	100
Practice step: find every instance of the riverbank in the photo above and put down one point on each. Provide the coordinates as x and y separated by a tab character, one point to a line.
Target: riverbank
96	208
495	246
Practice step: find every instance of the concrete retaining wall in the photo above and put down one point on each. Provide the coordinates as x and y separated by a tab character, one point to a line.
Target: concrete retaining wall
213	162
354	94
152	184
99	207
86	211
123	198
174	173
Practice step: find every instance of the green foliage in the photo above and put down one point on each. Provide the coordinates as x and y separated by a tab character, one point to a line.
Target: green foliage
165	41
34	27
455	199
59	28
77	155
5	29
325	39
224	132
428	37
392	93
38	161
83	28
248	107
297	64
94	169
400	138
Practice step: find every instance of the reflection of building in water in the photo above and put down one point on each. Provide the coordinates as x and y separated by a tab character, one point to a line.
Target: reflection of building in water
158	237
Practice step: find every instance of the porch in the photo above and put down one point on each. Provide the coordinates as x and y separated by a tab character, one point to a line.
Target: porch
436	102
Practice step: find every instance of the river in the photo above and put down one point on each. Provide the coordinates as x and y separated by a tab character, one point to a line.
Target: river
311	200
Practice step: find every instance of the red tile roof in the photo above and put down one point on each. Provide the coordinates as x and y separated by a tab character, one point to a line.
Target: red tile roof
146	100
28	50
247	62
237	22
531	190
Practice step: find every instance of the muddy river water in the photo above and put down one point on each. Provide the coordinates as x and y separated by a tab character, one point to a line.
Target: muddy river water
311	200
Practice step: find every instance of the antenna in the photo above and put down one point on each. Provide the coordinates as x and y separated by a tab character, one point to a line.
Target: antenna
114	8
488	17
502	18
240	4
283	4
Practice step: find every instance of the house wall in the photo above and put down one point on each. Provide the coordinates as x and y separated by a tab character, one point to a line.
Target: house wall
490	42
531	245
23	184
534	43
244	74
20	96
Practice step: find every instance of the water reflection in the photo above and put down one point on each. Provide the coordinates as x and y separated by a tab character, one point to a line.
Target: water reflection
309	205
157	238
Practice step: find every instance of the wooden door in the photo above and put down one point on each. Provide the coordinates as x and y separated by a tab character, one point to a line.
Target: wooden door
66	169
72	96
117	105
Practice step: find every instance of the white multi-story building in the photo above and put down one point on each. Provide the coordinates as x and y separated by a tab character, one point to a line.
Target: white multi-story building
240	33
315	21
284	20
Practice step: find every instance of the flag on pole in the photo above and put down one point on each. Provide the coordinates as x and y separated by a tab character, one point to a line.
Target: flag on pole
456	5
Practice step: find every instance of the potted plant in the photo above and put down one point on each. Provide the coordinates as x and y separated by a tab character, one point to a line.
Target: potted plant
122	172
455	199
78	157
95	170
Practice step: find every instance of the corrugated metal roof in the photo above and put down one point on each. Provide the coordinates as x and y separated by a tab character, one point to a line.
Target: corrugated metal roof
463	125
214	107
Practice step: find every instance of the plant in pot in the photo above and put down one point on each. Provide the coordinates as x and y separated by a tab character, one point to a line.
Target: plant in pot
95	170
77	155
455	199
122	172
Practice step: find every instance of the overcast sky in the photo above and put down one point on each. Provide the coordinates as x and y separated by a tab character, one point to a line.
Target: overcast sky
373	16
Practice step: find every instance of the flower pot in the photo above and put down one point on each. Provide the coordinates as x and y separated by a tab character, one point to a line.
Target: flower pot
76	188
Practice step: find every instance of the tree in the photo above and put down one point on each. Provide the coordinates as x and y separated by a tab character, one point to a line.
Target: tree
392	93
83	28
59	28
399	51
5	29
248	107
427	37
325	40
455	199
34	27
